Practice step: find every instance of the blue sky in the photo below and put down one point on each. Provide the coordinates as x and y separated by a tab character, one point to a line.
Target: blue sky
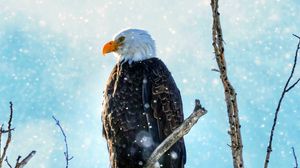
51	64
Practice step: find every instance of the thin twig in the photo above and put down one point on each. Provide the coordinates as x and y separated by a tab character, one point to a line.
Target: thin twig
66	153
296	36
230	94
295	157
215	70
284	91
0	144
177	134
18	160
6	131
6	160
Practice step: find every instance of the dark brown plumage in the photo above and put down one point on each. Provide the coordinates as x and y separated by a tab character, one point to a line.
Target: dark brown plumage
142	106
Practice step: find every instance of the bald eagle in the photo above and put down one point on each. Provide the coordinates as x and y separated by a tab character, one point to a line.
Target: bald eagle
142	104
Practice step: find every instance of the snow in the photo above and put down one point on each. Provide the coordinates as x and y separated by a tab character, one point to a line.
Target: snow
174	155
157	165
51	64
144	139
146	105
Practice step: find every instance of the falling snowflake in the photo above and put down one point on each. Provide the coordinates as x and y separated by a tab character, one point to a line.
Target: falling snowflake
174	155
144	139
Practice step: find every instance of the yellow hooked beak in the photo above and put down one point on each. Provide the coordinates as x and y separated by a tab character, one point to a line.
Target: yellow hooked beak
110	47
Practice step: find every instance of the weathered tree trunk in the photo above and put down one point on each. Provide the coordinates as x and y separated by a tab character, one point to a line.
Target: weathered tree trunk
230	94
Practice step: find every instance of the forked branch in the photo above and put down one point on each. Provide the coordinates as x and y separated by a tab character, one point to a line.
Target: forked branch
8	131
19	164
22	163
287	88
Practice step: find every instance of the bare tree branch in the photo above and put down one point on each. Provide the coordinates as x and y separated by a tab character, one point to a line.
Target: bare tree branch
295	157
284	91
0	144
25	160
178	133
296	36
66	153
8	140
230	94
9	129
215	70
6	131
293	85
9	165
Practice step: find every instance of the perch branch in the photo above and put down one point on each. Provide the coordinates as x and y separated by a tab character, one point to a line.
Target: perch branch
284	91
178	133
295	157
66	153
230	94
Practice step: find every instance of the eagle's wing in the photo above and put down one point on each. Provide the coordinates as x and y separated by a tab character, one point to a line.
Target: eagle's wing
167	107
105	104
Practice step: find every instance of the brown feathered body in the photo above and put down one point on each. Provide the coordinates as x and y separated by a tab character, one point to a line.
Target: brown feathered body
142	106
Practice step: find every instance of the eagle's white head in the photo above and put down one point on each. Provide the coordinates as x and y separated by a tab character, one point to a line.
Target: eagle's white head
131	45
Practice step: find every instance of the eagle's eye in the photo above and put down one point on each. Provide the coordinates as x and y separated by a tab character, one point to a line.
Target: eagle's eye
121	39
